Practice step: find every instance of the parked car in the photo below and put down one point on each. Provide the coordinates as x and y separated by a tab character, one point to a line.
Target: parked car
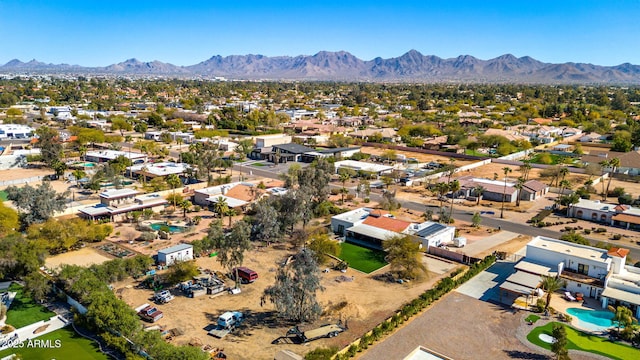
230	319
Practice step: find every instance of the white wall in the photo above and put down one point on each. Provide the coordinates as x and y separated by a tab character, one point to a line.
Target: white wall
596	268
182	255
444	237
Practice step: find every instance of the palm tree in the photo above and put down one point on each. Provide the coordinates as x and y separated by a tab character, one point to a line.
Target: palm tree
603	165
525	169
551	284
613	166
185	205
519	185
564	171
564	184
623	316
174	181
221	207
441	189
454	187
478	190
506	171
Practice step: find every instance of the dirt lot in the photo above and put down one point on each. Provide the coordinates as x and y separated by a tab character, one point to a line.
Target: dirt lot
423	158
83	257
362	302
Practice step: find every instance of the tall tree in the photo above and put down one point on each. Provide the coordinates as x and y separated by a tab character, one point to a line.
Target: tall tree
265	225
36	204
478	190
519	186
559	346
613	166
231	247
506	171
50	145
174	182
454	187
221	207
295	289
404	256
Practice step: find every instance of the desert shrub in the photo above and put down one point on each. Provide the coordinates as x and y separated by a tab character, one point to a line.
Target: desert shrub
619	191
540	304
617	237
321	353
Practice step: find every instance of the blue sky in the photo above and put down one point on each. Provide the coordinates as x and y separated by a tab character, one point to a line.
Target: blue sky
99	33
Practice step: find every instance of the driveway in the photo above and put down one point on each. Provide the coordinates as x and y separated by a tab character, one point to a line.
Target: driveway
486	285
459	327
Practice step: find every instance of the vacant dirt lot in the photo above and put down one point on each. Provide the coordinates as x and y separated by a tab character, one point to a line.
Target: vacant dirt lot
423	158
362	302
83	257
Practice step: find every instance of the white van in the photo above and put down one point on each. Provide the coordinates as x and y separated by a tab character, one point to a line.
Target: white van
230	319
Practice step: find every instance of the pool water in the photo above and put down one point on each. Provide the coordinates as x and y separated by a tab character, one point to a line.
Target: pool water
172	228
596	320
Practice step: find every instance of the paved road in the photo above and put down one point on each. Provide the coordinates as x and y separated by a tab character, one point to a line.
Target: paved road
458	213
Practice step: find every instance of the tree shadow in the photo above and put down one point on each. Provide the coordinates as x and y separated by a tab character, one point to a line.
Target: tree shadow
517	354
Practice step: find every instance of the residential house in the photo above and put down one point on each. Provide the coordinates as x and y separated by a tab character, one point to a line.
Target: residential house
362	167
102	156
115	204
237	195
283	153
595	273
262	141
161	169
493	189
533	190
386	134
629	161
615	215
371	227
336	153
591	137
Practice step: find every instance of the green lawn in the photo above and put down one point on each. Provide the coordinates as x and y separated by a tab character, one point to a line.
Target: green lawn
475	153
3	195
361	258
24	311
259	164
71	346
532	318
578	340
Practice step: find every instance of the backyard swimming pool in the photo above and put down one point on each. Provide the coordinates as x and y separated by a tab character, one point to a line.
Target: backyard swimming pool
172	228
594	320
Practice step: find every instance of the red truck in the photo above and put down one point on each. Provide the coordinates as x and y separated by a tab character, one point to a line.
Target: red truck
150	314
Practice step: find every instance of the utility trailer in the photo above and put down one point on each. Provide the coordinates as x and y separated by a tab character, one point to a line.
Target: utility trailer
325	331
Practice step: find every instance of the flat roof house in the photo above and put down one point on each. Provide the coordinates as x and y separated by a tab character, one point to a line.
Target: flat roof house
371	227
180	252
611	214
115	204
102	156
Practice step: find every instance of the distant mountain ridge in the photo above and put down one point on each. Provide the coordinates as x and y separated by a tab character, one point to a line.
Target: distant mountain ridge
343	66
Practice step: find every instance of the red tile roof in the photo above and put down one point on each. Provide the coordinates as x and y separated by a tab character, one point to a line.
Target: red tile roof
387	223
618	252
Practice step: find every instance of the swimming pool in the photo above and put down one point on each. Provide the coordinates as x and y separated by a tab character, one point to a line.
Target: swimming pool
172	228
594	320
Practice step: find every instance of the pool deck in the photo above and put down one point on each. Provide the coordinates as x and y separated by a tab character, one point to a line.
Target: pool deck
559	303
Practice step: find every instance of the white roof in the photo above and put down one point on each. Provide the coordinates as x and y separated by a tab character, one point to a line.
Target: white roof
354	215
535	268
373	232
216	189
117	193
362	166
176	248
525	279
112	154
160	169
593	205
567	248
621	295
231	202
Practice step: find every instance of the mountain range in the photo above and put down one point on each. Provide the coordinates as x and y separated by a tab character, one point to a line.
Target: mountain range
343	66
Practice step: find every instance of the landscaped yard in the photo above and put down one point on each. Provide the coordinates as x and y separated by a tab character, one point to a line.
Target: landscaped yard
551	159
24	311
578	340
258	164
72	346
3	195
532	318
361	258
